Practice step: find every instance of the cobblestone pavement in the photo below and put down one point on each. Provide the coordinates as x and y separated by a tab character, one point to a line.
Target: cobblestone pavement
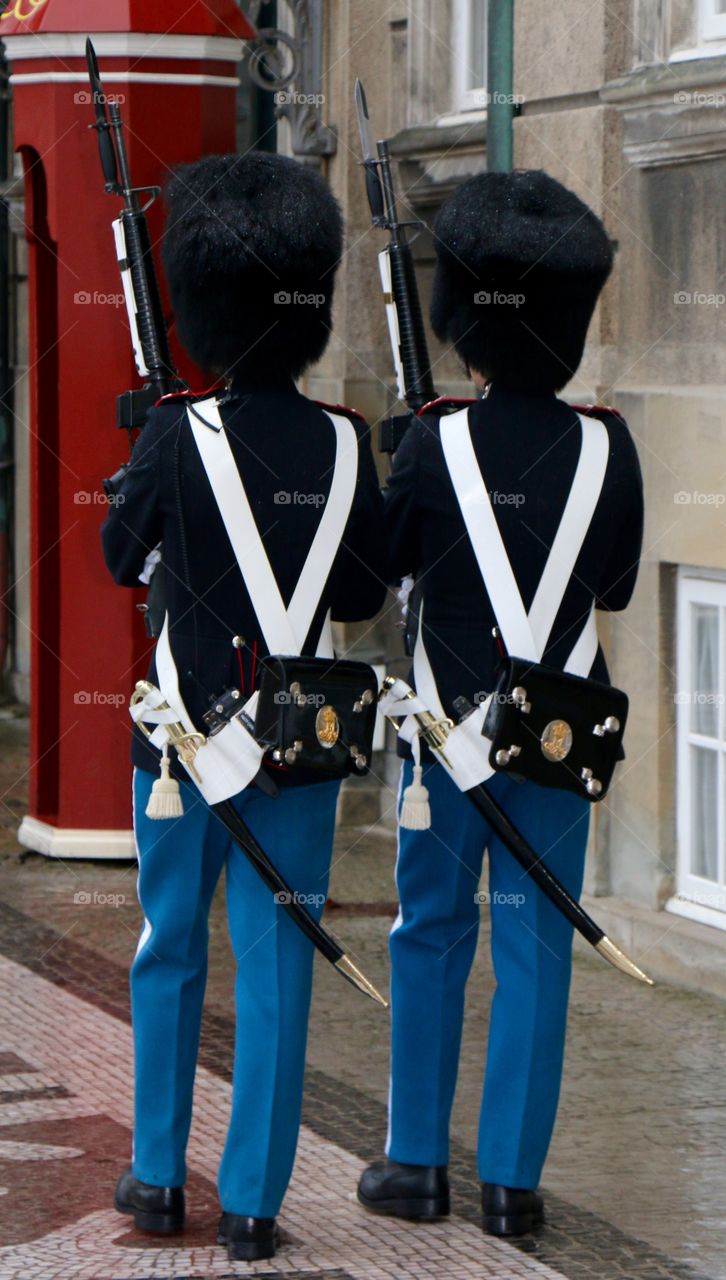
636	1181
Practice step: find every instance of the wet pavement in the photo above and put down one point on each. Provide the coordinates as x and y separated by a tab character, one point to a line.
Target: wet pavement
635	1185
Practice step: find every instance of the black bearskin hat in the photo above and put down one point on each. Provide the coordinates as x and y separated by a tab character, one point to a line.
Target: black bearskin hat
521	261
250	252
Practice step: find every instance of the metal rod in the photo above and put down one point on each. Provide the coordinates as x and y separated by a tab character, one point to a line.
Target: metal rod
500	85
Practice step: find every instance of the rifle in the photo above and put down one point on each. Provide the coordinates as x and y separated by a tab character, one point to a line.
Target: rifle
411	361
149	336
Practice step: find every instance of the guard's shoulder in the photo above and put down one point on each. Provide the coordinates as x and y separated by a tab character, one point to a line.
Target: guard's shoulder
353	414
443	405
184	397
602	411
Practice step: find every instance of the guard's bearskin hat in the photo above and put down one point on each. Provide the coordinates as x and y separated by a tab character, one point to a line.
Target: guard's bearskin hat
250	252
521	261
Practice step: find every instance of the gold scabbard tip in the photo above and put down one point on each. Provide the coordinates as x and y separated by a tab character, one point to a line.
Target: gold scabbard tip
359	980
618	958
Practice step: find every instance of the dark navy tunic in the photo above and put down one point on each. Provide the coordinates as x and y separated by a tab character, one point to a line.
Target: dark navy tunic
284	447
527	448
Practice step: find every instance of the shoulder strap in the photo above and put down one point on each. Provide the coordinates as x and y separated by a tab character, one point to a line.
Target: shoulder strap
525	635
576	519
284	629
486	540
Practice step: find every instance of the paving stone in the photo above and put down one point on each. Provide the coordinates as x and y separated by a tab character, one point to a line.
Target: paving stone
636	1181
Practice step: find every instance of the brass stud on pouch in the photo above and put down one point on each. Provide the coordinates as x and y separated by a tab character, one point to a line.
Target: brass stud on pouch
365	699
296	694
290	755
593	785
519	697
610	725
504	756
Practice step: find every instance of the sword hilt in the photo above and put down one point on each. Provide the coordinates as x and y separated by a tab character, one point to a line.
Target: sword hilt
185	743
434	729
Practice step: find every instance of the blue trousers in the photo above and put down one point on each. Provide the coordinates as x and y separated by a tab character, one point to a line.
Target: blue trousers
432	949
180	862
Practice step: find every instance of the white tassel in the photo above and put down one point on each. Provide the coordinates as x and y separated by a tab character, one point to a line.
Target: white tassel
165	800
415	810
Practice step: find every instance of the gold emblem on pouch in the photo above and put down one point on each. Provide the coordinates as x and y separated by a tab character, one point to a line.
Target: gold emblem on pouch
327	726
556	740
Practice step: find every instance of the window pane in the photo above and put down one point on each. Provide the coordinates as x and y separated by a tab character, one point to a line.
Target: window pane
704	667
477	54
704	813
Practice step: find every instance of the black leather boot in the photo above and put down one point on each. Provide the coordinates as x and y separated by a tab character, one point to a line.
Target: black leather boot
156	1209
510	1211
248	1239
405	1190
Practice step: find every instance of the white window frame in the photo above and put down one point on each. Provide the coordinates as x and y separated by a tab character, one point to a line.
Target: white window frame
712	25
696	897
464	98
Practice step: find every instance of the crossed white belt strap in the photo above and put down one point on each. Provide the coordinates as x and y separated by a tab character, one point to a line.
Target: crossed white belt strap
229	761
525	634
285	630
